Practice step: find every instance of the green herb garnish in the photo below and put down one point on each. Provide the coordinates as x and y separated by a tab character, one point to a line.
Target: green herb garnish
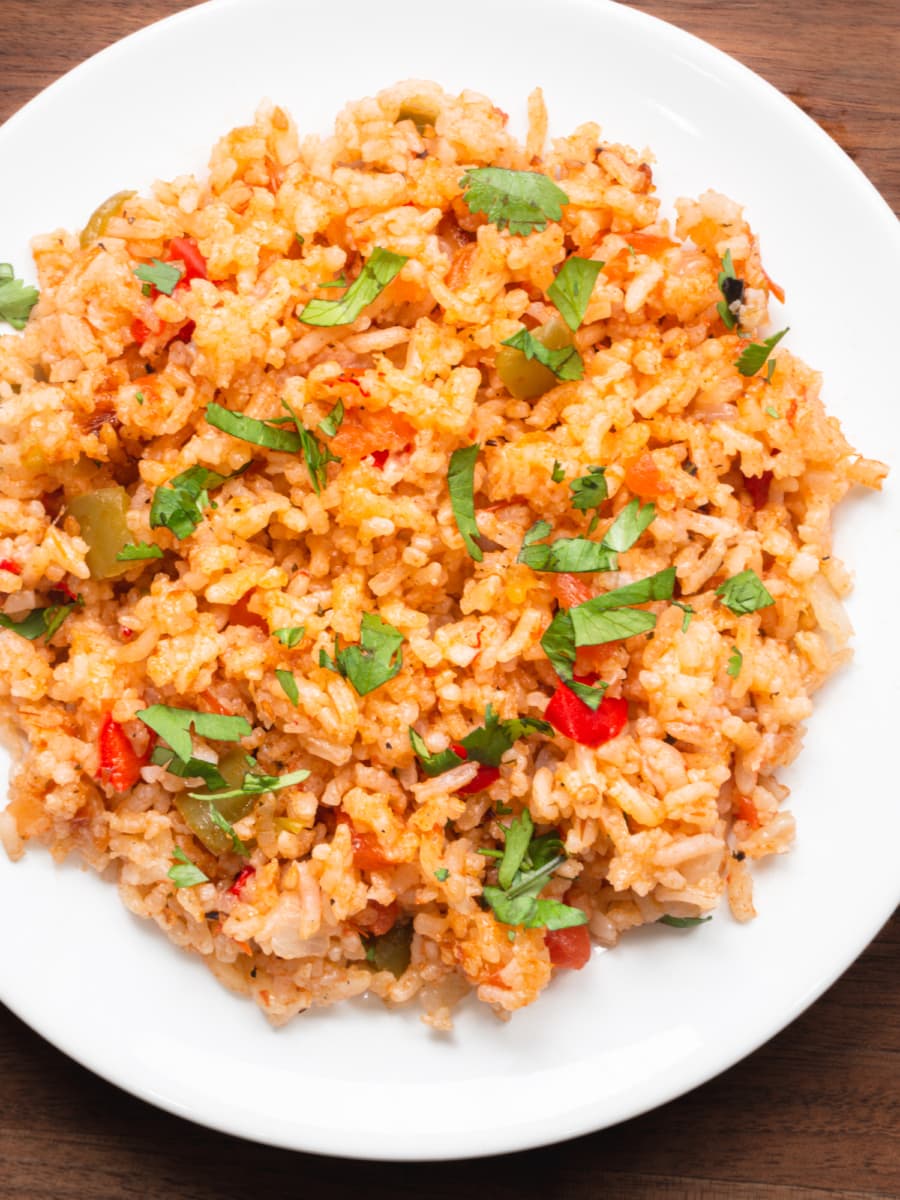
688	613
565	363
185	873
568	554
288	686
289	635
316	455
558	473
174	726
526	866
179	504
16	298
40	622
756	353
732	290
521	201
138	552
249	429
682	922
589	491
571	290
163	276
377	658
461	482
254	784
380	268
744	593
485	744
734	663
331	423
441	874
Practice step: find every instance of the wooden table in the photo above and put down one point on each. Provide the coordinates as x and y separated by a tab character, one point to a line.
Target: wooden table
814	1114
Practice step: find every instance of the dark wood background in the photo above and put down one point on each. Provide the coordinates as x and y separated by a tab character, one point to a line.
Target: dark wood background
813	1115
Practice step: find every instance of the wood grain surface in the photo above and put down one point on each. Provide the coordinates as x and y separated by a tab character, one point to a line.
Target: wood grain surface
814	1114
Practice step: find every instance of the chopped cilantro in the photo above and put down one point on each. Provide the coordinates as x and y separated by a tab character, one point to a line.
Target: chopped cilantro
289	635
380	268
558	473
568	554
486	744
174	726
629	525
441	874
772	412
163	276
135	553
372	662
688	613
179	504
228	829
16	299
526	866
460	481
254	784
249	429
521	201
538	530
734	663
288	686
565	363
572	287
589	491
744	593
732	289
190	768
316	455
755	355
40	622
331	423
185	873
139	396
333	283
770	370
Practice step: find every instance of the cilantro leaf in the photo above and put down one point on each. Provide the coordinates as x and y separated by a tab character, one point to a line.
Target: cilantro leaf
249	429
565	363
735	662
688	613
289	635
744	593
316	455
572	287
370	663
538	530
597	628
486	744
191	768
179	504
515	846
654	587
520	201
163	276
629	525
682	922
589	491
461	482
174	726
135	553
732	289
40	622
331	423
288	686
558	473
254	784
380	268
756	353
568	554
441	874
526	865
16	299
185	873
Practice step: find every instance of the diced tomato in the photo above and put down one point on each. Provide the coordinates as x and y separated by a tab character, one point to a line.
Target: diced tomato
238	886
240	614
569	947
483	779
185	250
745	810
186	332
642	476
570	589
363	433
384	917
120	767
379	458
367	855
7	564
139	331
570	716
776	289
648	243
758	488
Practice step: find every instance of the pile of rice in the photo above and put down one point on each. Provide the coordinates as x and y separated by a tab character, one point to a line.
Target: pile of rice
662	819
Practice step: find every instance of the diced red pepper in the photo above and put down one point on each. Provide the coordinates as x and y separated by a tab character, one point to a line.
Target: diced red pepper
379	458
186	251
7	564
569	947
240	614
238	886
758	488
367	854
745	810
643	477
120	767
186	332
570	716
139	331
384	917
483	779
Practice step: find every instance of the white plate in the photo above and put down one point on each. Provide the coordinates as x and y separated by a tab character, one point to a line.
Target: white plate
667	1009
